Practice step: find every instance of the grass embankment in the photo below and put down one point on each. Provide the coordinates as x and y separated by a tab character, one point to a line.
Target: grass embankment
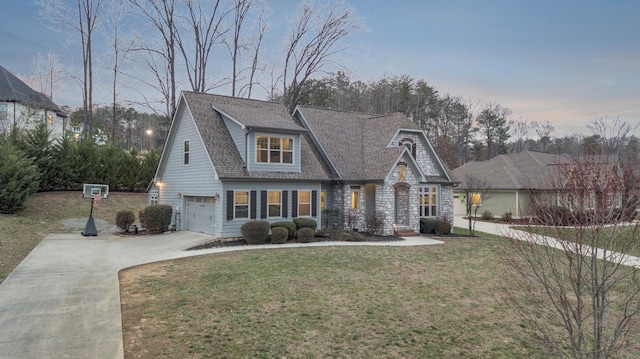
44	214
347	302
621	238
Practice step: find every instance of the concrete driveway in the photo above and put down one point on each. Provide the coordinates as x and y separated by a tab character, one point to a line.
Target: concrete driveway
63	300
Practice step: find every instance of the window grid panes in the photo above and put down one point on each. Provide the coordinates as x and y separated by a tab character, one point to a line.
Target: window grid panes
274	204
428	201
274	150
186	152
304	203
241	204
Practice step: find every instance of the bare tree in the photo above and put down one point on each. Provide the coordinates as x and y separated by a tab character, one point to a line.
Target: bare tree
544	131
159	58
313	41
575	288
520	131
47	71
84	17
238	43
119	56
613	133
476	192
208	30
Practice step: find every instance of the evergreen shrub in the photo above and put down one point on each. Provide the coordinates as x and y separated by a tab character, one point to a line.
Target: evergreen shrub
279	235
290	226
305	223
157	218
305	234
255	232
124	219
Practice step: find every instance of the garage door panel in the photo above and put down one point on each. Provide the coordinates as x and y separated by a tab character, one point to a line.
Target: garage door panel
200	214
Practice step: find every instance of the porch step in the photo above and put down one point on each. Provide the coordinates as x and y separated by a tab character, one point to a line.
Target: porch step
402	231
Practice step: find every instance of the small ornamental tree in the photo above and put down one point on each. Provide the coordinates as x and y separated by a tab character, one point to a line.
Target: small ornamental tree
19	178
577	287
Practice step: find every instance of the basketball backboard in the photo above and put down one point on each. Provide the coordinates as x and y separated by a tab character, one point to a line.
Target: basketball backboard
90	190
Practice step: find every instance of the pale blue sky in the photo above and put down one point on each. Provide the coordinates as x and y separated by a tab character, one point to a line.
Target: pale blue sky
567	62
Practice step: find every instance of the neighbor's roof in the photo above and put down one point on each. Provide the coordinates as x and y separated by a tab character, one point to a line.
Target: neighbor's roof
357	143
223	151
12	89
524	170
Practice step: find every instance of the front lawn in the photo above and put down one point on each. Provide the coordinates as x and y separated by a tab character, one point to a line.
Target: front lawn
626	236
328	302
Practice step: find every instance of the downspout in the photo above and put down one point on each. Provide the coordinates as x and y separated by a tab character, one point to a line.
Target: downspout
246	147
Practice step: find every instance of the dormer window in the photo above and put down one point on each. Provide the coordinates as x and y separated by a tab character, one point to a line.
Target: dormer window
410	145
274	149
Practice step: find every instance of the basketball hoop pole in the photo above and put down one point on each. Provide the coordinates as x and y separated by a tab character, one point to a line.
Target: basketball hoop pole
90	228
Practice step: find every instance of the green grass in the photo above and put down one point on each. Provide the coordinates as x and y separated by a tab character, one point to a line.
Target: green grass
618	239
343	302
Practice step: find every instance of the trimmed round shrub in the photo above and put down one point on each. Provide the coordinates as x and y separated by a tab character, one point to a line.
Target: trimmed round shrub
255	232
157	218
305	234
124	219
442	227
427	225
290	226
487	215
305	223
279	235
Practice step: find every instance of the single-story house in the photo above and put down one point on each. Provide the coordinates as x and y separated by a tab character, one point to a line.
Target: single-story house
230	160
24	108
509	184
506	182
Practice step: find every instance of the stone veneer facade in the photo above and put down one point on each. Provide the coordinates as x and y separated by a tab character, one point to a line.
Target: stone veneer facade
385	193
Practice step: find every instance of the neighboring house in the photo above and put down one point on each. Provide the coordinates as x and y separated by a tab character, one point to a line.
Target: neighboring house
229	160
24	108
509	183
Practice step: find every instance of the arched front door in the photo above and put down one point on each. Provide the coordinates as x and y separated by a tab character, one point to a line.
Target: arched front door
402	204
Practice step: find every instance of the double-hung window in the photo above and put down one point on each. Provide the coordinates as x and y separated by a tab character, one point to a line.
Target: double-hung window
304	203
274	204
274	149
241	204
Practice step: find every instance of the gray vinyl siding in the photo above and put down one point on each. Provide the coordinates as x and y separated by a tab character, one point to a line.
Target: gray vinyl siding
198	178
239	136
273	167
231	228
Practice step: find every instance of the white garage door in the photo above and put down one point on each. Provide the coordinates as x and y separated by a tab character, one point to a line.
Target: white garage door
200	214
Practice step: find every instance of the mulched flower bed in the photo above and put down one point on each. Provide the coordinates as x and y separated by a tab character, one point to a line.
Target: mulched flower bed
241	242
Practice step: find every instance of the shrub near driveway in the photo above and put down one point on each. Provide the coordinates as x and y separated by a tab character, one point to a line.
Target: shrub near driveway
325	302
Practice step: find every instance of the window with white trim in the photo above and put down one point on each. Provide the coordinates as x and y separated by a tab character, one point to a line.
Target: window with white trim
274	149
241	204
304	203
185	151
274	204
428	201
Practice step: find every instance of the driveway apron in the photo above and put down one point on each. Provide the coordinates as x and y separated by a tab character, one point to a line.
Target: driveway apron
63	300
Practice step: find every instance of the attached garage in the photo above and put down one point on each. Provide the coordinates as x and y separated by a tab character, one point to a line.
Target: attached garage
200	214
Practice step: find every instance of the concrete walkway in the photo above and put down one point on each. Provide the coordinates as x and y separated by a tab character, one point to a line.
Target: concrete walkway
63	300
505	230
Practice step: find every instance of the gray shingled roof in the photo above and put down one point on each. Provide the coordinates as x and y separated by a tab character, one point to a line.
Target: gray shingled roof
257	114
223	151
12	89
356	143
524	170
